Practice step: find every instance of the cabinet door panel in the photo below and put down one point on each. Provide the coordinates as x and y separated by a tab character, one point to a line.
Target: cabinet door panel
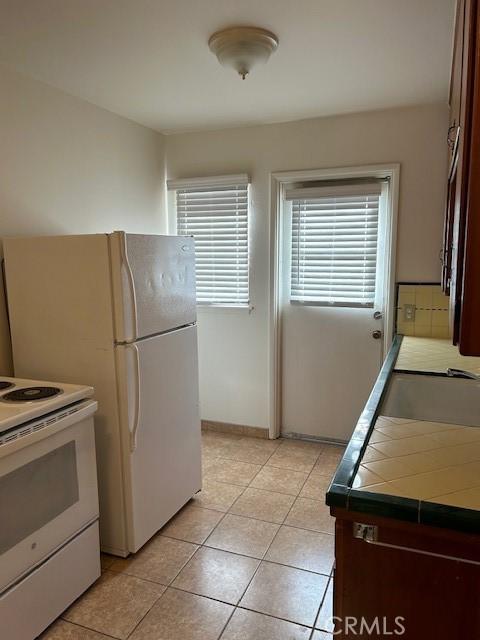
465	210
469	318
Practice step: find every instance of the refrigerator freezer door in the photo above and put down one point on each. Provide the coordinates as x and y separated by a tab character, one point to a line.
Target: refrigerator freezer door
153	283
158	380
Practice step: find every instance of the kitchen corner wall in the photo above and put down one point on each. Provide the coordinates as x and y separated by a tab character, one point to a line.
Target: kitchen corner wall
70	167
234	344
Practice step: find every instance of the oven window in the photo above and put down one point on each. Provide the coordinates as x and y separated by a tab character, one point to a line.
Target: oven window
33	495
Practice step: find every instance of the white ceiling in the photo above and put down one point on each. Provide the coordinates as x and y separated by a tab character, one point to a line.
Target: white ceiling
148	60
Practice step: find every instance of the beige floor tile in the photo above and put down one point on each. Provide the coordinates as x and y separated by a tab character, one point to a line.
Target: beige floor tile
230	471
192	524
159	560
183	616
219	445
217	574
303	549
333	450
280	480
243	535
315	487
305	445
249	625
297	459
311	514
217	495
263	505
325	616
115	604
287	593
322	635
254	450
106	561
62	630
326	465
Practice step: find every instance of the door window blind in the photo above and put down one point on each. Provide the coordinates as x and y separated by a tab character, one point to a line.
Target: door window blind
217	217
334	244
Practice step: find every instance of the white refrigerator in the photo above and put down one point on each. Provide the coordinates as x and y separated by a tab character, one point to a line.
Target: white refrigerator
117	311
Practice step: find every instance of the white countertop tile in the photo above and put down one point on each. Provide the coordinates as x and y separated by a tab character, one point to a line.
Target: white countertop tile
433	354
431	461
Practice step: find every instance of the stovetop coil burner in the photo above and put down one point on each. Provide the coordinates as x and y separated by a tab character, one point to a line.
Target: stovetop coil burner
4	384
27	394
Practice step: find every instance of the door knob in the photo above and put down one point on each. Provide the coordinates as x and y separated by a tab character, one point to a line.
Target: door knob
377	315
376	334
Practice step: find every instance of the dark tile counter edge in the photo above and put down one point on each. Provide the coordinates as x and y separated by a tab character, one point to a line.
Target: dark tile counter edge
338	493
341	494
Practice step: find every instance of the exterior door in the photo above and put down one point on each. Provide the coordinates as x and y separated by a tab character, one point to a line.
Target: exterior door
332	305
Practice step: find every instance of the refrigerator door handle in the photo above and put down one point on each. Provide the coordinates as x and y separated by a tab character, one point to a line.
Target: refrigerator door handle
131	286
136	418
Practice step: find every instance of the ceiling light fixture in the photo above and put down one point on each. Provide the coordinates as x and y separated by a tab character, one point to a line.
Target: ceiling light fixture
243	47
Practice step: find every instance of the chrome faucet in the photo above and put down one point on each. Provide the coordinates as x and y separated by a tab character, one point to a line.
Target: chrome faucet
461	373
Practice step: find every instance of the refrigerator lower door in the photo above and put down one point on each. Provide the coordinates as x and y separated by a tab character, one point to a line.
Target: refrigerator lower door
158	380
153	284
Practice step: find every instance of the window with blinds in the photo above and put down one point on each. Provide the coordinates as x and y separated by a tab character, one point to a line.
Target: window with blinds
217	216
334	244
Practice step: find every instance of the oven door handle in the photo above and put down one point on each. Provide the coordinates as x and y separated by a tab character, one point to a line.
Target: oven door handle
136	417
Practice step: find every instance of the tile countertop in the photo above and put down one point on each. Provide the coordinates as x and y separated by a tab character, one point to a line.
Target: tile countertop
428	461
411	470
433	354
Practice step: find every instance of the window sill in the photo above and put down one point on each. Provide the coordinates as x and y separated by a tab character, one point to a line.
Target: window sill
202	308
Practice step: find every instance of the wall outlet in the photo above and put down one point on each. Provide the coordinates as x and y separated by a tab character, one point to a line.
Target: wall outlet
409	312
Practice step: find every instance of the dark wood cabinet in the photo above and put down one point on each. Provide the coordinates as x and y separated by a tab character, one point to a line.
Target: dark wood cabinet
420	579
461	249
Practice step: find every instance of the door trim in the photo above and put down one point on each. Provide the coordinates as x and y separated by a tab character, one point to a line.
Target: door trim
278	183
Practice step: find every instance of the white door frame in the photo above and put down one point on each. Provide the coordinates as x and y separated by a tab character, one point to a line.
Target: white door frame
278	183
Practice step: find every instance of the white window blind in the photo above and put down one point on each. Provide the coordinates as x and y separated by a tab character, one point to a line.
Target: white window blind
334	244
217	216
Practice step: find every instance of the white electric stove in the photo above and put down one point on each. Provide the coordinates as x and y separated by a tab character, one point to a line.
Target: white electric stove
49	543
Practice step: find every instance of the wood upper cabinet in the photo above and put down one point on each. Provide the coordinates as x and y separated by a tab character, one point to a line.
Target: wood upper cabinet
461	250
456	76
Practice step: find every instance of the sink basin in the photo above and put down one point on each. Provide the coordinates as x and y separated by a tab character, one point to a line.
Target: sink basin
433	398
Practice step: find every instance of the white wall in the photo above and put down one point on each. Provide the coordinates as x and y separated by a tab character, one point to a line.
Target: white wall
234	353
70	167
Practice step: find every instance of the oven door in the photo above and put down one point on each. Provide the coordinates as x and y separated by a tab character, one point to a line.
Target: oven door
48	489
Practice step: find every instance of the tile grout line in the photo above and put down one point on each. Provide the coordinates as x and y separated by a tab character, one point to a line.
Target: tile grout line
176	576
236	553
76	624
259	564
260	560
270	545
237	606
330	579
141	619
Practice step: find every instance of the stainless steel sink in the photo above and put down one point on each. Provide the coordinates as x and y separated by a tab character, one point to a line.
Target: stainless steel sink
433	398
